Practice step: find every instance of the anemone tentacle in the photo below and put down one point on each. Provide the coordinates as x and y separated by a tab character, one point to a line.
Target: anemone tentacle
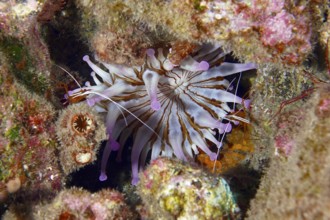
178	107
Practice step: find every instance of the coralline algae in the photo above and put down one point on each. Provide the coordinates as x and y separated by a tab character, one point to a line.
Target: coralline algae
173	190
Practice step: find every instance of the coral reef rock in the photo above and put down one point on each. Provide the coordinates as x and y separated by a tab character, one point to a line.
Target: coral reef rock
79	130
296	185
173	190
76	203
27	140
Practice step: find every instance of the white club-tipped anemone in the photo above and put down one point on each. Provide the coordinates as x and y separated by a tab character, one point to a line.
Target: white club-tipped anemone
168	109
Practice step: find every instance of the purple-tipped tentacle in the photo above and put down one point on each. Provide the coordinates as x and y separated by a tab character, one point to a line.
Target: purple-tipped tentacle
201	117
175	137
103	74
153	61
209	52
228	97
114	90
103	176
226	69
235	122
95	79
247	103
72	92
112	144
144	154
196	138
168	65
208	135
156	149
142	137
151	79
106	153
206	120
192	65
203	65
91	101
150	52
225	128
112	116
121	70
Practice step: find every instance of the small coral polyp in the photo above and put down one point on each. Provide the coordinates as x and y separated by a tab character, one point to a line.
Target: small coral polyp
170	110
82	124
79	130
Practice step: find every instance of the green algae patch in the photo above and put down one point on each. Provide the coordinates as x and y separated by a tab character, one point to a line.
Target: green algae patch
22	65
13	133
